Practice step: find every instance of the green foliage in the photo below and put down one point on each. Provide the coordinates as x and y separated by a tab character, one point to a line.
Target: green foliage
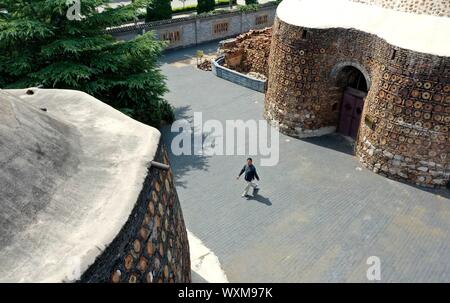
204	6
40	46
249	8
225	2
158	10
189	8
250	2
193	8
186	9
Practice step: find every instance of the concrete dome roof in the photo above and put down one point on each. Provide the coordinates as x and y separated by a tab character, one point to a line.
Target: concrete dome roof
421	33
69	178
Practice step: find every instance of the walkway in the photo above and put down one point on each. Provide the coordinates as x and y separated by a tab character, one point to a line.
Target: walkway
319	214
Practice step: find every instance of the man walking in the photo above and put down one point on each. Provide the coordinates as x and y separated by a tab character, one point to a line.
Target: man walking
249	171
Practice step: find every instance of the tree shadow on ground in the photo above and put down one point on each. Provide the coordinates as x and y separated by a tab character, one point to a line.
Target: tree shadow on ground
183	164
259	198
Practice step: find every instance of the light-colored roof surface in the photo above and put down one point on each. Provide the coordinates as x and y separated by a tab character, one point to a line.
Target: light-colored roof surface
69	178
421	33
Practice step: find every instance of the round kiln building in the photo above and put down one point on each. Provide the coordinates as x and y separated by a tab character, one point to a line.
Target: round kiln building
81	197
377	71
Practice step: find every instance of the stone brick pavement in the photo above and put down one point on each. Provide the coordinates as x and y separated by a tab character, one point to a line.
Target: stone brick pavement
319	214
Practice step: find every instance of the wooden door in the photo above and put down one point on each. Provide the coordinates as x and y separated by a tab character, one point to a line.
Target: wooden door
351	111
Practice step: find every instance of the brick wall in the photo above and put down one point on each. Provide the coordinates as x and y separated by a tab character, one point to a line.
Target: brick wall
408	102
199	29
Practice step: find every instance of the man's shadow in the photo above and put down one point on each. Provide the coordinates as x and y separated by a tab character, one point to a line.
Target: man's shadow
261	199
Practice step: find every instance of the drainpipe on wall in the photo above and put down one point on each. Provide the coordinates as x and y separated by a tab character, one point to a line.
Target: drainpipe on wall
159	165
197	24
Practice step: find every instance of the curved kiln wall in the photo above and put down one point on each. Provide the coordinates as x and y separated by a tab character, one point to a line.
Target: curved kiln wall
82	194
439	8
404	126
153	246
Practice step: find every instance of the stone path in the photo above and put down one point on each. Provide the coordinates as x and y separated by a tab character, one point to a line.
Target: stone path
319	214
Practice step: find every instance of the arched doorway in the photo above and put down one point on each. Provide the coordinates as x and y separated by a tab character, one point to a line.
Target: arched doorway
355	87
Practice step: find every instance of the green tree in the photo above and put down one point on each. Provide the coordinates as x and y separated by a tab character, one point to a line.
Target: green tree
158	10
201	6
40	46
250	2
204	6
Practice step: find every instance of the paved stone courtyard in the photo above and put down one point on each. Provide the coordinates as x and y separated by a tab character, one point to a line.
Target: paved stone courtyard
319	214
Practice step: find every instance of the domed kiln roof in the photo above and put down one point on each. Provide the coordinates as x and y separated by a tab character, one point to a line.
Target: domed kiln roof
71	171
417	32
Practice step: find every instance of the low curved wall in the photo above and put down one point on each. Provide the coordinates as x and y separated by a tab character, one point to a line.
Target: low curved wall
236	77
152	246
408	103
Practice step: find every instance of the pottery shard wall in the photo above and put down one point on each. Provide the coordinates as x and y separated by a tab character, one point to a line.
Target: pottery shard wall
153	246
404	133
439	8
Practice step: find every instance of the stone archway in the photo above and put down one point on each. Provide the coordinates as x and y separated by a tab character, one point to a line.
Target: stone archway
354	82
337	69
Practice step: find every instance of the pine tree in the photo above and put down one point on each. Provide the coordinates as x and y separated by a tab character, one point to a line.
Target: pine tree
40	46
201	6
204	6
158	10
211	5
